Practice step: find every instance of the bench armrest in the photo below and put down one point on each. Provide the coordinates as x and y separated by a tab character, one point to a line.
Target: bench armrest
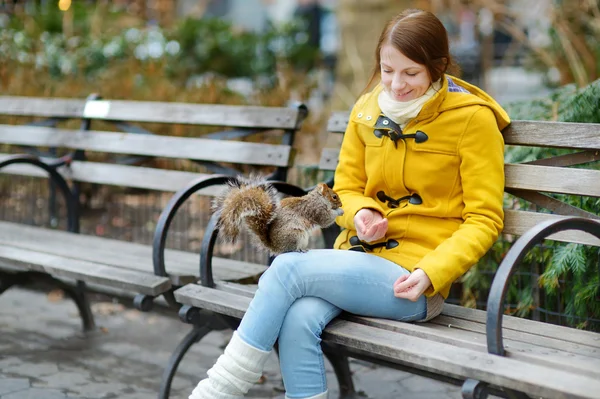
497	296
50	166
169	212
211	233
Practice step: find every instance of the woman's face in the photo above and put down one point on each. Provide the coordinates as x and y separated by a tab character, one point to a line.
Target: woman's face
402	78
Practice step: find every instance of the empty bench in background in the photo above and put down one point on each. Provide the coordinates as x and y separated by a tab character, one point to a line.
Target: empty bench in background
32	254
485	352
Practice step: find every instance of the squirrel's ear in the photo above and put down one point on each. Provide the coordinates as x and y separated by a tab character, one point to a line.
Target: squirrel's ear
321	188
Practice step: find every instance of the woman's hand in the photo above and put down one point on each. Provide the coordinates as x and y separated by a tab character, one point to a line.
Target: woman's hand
370	225
412	286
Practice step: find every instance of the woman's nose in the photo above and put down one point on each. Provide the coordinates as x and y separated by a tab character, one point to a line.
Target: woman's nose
397	84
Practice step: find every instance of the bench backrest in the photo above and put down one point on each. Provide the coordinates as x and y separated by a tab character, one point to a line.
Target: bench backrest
534	180
215	150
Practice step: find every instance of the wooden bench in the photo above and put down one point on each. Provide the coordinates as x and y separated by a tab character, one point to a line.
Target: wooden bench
484	351
32	254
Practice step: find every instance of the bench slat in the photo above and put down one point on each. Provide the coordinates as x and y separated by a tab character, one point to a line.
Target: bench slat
117	175
93	272
449	360
527	133
43	107
127	255
338	121
411	350
553	179
524	337
150	145
525	177
200	114
553	134
567	334
518	222
447	331
222	302
578	357
152	111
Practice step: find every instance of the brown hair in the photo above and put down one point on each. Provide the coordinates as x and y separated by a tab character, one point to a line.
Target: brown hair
420	36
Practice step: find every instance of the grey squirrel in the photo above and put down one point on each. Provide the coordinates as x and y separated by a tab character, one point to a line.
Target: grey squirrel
275	225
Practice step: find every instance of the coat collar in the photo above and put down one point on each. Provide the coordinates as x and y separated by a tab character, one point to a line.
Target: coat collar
368	109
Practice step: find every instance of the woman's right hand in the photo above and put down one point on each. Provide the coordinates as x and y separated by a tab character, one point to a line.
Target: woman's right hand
370	225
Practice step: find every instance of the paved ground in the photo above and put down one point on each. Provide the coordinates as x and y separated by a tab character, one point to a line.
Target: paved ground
43	355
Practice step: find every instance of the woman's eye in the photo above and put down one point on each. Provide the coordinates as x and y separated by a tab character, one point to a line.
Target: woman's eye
411	74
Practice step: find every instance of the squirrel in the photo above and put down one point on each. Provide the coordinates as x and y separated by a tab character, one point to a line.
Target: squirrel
275	225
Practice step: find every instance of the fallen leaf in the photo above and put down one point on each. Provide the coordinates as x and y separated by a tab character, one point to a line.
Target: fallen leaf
56	295
107	308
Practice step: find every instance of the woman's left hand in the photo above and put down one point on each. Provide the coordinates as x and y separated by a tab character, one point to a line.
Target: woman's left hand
412	286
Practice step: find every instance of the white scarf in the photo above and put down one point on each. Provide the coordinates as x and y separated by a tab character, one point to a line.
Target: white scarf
402	112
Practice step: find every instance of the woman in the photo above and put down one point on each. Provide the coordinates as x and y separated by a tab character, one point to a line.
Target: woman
421	180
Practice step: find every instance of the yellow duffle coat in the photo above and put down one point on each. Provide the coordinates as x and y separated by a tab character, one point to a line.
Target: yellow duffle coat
458	172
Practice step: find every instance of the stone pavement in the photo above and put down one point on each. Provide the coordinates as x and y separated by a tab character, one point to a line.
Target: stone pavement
44	355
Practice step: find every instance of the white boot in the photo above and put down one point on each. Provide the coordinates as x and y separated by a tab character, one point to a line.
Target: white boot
319	396
234	373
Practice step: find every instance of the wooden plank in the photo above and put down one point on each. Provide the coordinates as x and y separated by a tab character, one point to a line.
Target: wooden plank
222	302
150	145
118	175
527	133
530	352
120	254
338	121
43	107
567	334
144	283
247	290
553	179
198	114
329	158
449	332
454	361
551	204
523	176
518	222
550	344
153	111
578	158
553	134
421	353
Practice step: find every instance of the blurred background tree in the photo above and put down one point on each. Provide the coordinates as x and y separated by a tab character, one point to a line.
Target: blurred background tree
360	23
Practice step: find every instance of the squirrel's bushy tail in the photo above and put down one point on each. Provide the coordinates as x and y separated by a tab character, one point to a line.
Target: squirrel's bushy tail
246	201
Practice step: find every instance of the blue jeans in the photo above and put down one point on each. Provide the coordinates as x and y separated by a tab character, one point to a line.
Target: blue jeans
301	293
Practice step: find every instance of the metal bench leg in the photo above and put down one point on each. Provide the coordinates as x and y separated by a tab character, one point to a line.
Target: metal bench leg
79	295
473	389
341	366
7	280
197	333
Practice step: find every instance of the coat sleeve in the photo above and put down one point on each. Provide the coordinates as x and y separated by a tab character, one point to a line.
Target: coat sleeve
351	177
481	151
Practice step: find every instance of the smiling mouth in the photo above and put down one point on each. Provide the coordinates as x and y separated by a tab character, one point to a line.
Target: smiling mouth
403	94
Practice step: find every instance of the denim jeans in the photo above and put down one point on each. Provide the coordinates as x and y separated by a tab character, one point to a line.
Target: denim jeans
301	292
